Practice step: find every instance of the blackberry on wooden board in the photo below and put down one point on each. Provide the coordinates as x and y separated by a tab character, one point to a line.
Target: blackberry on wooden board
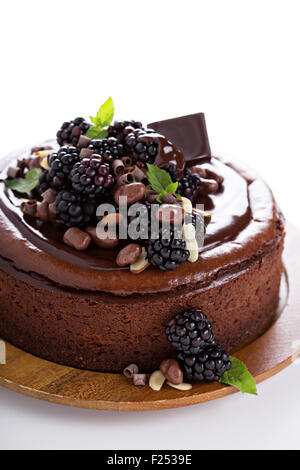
190	332
210	364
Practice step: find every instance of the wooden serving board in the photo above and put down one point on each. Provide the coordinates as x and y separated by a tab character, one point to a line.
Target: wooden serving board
278	347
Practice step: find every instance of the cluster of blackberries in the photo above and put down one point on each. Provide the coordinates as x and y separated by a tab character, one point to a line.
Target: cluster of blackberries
200	356
109	148
168	251
74	210
70	131
92	177
119	129
140	147
189	185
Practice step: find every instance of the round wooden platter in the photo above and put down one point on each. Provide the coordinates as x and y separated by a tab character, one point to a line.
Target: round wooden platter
278	347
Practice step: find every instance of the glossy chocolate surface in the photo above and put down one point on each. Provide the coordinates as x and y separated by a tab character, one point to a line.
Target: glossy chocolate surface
243	222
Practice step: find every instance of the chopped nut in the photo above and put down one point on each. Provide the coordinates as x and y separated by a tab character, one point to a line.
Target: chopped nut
141	263
183	386
187	205
156	380
139	379
205	215
189	236
45	163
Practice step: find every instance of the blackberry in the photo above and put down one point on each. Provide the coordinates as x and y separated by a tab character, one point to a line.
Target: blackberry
92	177
172	170
189	185
119	129
167	252
72	210
70	131
190	332
210	364
43	182
109	148
61	164
138	150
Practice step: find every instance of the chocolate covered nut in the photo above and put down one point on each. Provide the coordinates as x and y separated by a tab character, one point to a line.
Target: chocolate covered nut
170	214
85	153
34	163
171	199
111	220
130	371
29	207
41	149
13	172
49	195
133	192
52	211
171	371
151	195
103	239
139	379
129	254
77	239
43	211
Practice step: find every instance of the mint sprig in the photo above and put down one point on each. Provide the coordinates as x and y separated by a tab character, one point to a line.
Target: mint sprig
26	184
240	377
102	120
161	181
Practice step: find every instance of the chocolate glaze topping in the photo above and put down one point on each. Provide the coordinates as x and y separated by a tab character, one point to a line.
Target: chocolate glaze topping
167	153
244	221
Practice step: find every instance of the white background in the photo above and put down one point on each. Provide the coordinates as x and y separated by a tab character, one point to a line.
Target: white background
238	61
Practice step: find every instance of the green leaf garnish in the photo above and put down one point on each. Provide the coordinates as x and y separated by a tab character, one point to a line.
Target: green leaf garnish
161	181
27	184
102	120
240	377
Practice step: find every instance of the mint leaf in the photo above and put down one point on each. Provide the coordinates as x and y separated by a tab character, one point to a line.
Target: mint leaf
159	179
97	132
27	184
106	113
102	120
172	188
240	377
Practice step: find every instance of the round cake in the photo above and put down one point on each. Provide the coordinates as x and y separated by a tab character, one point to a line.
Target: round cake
80	308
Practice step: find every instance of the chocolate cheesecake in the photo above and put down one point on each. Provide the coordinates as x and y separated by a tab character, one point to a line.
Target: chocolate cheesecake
80	308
